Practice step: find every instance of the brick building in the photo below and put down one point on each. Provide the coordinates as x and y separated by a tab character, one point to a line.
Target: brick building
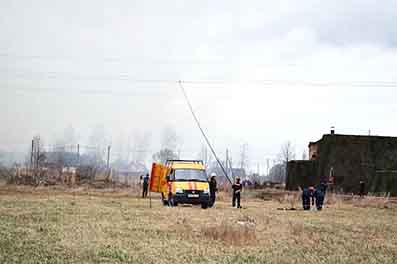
345	160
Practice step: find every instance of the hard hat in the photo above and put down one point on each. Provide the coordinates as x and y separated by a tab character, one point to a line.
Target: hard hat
213	174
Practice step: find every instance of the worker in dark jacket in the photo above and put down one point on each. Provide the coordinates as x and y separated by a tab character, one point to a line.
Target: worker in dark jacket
237	187
306	199
145	186
319	195
312	191
362	188
213	189
323	187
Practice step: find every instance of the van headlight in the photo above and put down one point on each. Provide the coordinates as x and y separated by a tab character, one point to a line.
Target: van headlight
206	191
179	190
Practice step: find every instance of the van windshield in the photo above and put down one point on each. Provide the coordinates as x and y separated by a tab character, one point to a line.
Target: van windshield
190	175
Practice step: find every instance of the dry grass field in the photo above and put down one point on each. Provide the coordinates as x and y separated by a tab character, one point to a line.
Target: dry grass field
83	226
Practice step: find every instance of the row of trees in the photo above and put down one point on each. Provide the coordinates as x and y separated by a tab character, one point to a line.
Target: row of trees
134	150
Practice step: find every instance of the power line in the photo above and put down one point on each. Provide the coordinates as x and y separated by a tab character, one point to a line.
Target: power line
202	131
52	75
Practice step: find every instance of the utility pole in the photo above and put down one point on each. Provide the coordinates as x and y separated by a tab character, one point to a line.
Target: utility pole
243	156
108	159
268	166
31	155
231	168
78	154
38	153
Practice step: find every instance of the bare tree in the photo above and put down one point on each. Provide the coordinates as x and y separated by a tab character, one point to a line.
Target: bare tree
139	147
169	139
164	155
70	136
287	154
99	140
277	173
244	161
169	146
304	155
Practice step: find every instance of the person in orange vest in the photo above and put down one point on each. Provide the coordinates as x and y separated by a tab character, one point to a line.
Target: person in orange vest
237	187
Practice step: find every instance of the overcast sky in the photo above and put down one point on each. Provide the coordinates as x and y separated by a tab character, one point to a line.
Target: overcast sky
260	72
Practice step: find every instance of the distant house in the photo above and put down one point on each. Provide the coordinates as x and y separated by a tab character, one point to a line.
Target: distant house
130	173
345	160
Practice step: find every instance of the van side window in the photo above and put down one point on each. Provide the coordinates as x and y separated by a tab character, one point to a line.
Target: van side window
172	175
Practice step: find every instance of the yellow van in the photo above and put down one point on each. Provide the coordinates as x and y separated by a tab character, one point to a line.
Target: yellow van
185	182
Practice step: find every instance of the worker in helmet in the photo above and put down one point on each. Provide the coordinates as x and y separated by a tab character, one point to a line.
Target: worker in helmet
145	186
213	189
237	187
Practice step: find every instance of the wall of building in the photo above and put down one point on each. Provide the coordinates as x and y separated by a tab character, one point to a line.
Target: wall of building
301	173
372	159
356	158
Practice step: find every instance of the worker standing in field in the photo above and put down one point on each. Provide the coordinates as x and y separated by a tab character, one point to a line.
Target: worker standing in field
362	188
169	189
237	187
306	199
319	195
323	187
213	189
145	186
312	191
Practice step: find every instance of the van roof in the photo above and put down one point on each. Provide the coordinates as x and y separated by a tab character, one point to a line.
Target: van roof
186	164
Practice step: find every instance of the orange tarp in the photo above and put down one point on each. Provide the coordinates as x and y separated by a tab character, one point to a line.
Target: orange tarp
158	178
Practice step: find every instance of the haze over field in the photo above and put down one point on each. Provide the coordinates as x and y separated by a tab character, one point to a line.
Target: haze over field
257	72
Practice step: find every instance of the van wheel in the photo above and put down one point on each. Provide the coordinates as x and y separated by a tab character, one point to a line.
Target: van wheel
204	205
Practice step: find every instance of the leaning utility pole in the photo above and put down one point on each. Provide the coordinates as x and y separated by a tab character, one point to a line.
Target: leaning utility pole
202	132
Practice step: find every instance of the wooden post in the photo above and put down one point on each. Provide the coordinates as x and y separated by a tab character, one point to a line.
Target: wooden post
150	199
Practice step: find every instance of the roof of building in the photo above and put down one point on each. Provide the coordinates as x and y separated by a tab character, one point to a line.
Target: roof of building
357	137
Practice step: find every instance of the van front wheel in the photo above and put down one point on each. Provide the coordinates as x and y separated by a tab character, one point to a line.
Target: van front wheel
204	205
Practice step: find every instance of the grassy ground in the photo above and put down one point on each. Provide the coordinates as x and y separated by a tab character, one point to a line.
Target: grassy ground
47	226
